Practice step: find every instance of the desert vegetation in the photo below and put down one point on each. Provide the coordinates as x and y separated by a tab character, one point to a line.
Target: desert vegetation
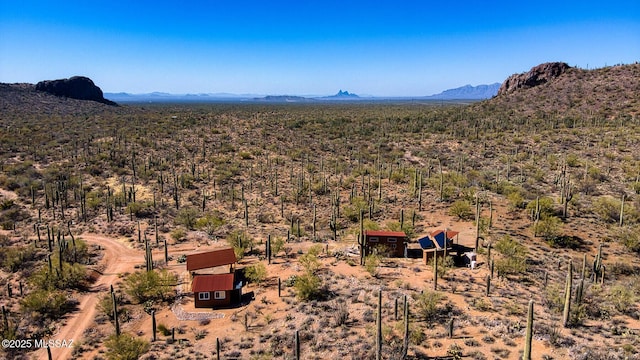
551	200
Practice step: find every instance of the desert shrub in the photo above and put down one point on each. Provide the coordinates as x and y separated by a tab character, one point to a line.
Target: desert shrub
514	259
548	228
407	228
178	234
629	236
78	253
125	347
72	276
256	273
240	242
352	211
461	209
546	204
622	297
13	257
141	209
371	263
277	245
152	285
45	303
187	217
310	260
210	222
11	215
516	201
369	224
444	265
340	313
164	330
572	160
307	286
105	306
608	209
428	304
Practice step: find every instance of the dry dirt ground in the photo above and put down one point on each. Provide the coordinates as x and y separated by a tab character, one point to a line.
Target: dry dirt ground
118	259
270	316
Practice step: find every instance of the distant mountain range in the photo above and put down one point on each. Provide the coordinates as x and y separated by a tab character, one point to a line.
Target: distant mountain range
466	92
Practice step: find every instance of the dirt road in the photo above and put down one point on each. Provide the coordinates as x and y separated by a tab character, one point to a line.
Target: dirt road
118	258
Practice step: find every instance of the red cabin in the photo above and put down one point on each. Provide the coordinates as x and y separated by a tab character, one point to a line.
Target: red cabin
394	242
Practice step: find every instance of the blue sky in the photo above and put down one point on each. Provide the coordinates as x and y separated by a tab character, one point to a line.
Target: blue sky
381	48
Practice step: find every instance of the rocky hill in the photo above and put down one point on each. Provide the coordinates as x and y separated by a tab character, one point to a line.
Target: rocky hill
538	75
25	99
558	90
76	87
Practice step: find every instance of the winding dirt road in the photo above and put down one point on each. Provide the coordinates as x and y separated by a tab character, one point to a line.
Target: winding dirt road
118	258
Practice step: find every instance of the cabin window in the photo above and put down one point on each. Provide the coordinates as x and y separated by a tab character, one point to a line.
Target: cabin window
204	296
373	239
219	295
392	240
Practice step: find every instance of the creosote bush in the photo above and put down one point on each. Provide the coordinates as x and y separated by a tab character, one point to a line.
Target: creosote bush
152	285
513	259
125	347
428	304
256	273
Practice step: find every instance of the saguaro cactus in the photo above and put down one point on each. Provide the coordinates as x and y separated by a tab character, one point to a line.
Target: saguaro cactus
488	290
115	311
597	264
361	238
296	340
379	327
435	270
153	324
529	333
567	297
405	347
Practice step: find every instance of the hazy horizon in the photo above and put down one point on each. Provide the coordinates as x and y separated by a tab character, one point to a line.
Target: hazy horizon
276	48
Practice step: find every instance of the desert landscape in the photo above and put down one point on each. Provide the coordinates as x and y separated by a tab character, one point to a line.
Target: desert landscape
100	204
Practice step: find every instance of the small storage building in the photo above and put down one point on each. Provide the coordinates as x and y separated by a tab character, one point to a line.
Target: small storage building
219	286
216	290
394	242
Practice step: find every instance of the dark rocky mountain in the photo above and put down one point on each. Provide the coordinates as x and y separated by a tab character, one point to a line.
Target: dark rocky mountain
344	94
76	87
538	75
23	100
468	92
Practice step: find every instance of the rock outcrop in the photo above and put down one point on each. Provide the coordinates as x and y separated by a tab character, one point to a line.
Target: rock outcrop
76	87
538	75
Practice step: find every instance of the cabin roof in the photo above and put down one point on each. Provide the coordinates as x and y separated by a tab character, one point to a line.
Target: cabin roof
385	233
209	259
217	282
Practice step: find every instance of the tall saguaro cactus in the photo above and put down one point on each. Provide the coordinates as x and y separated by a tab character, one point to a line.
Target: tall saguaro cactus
296	340
529	333
379	327
115	311
567	297
435	270
361	238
